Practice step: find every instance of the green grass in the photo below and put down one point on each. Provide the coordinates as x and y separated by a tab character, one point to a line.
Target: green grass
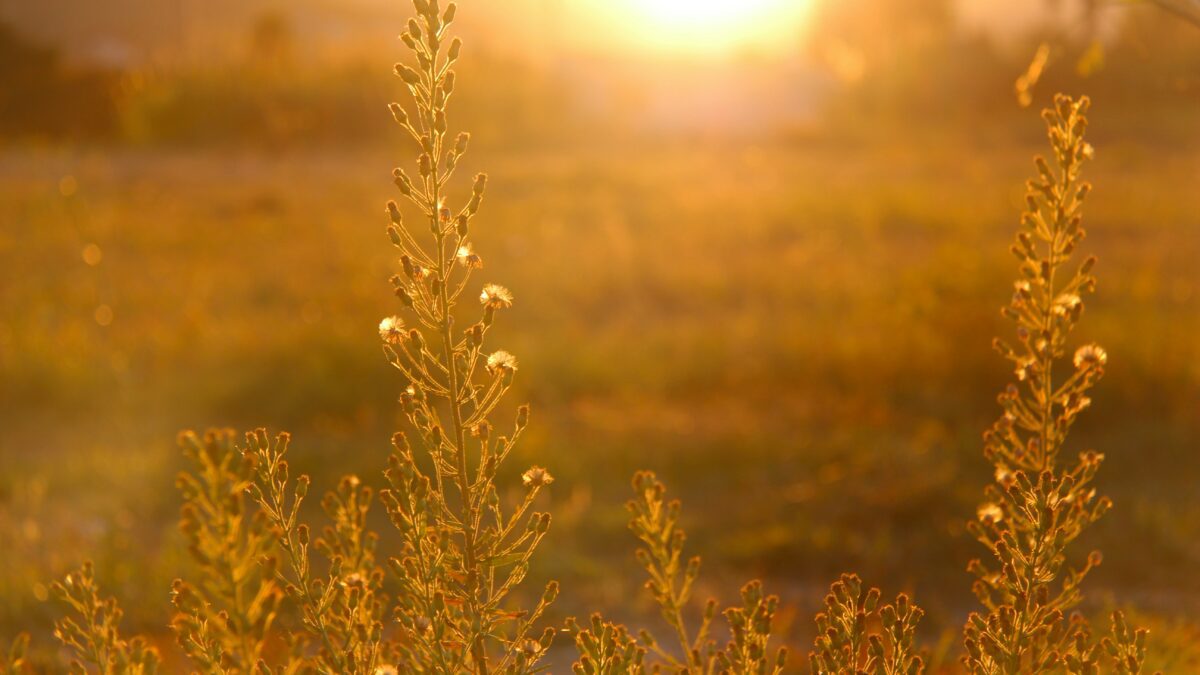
796	338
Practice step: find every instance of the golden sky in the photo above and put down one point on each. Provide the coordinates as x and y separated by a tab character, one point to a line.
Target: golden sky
702	26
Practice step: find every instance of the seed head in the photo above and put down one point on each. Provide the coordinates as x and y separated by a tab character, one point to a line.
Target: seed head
1025	368
536	477
1066	303
468	258
1076	404
1004	476
496	297
1090	356
501	362
990	513
391	330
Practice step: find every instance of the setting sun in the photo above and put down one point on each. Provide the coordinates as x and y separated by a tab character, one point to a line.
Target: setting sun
712	25
709	14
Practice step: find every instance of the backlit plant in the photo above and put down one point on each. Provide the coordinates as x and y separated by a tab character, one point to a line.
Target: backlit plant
1040	502
462	549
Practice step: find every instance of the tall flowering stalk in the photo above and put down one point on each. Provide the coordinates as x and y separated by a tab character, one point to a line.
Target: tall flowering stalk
1039	503
464	551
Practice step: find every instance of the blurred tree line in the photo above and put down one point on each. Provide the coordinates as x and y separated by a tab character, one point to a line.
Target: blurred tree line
40	95
265	95
910	60
893	64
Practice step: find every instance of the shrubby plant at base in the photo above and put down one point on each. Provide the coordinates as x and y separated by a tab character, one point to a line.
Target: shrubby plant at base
257	600
224	617
93	632
607	647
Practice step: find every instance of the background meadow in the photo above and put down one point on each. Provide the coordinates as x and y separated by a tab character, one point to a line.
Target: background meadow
766	264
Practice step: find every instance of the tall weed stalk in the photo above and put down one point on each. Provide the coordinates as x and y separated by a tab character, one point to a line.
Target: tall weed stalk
1040	501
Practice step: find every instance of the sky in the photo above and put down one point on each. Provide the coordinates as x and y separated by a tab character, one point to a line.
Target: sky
687	29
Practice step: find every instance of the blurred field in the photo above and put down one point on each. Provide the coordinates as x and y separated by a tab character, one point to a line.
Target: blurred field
796	336
774	287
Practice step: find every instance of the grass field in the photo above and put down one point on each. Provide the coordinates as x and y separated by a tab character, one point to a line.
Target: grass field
794	335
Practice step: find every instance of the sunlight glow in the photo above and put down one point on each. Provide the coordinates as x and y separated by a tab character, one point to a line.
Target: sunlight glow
703	13
713	25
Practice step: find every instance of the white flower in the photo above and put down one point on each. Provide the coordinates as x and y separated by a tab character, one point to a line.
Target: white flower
536	477
1066	303
1090	356
501	362
391	330
496	296
990	513
468	258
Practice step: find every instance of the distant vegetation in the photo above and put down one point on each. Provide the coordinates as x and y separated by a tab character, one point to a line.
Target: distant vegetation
907	63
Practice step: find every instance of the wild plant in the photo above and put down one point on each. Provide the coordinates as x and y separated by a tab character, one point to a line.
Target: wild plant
608	649
223	620
464	550
93	631
844	643
14	654
340	610
605	647
1038	506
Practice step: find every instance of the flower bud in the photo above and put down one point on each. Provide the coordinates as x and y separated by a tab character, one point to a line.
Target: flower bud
398	113
407	74
402	182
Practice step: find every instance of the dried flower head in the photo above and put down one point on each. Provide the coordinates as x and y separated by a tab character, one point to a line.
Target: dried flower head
496	297
536	477
1090	356
530	648
1004	475
391	330
990	512
1076	404
1066	303
1025	368
501	362
469	258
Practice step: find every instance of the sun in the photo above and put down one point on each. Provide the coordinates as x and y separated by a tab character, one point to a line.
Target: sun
710	25
702	12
